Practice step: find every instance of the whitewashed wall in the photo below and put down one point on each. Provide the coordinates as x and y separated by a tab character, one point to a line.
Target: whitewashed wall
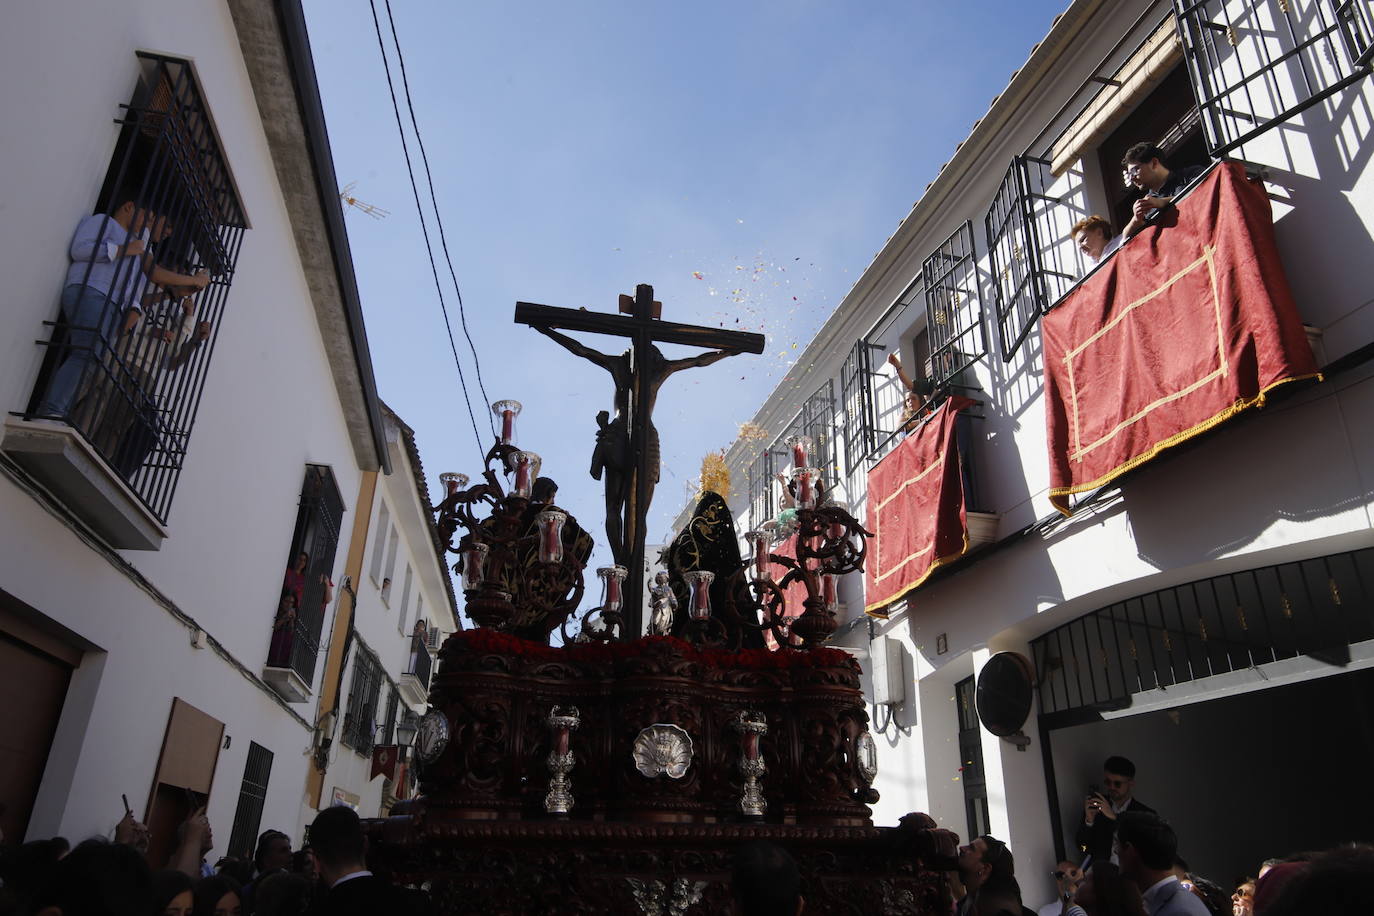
269	408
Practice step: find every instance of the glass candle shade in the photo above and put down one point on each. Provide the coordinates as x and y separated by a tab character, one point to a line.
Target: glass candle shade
699	581
801	447
612	588
550	524
807	481
760	543
526	470
474	565
507	411
453	481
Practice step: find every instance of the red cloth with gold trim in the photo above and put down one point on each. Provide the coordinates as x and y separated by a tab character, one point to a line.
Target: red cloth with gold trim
1189	324
916	510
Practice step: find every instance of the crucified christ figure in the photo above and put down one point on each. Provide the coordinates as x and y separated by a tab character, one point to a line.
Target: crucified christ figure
615	440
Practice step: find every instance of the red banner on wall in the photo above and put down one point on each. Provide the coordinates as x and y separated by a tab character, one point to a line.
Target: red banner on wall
916	510
1189	324
384	758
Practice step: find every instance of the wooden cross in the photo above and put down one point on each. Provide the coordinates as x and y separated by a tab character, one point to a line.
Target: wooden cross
646	370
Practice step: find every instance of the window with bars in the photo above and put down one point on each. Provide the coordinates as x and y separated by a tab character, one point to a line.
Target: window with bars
1033	260
389	717
302	607
129	352
1212	626
954	312
252	796
1257	64
858	412
360	714
1356	19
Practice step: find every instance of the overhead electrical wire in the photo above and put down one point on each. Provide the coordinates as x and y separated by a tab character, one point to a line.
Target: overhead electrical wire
424	229
443	238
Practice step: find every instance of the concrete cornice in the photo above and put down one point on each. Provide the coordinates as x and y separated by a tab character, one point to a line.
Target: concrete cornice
276	52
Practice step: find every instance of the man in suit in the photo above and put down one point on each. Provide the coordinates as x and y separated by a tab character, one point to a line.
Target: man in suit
340	851
1104	805
1147	847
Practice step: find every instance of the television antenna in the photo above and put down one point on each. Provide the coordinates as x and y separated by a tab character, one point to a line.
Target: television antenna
346	195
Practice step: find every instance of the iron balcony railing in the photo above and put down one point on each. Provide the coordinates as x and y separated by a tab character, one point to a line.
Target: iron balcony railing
1213	626
420	664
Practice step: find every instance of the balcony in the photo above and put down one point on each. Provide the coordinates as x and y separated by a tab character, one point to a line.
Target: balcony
415	681
127	352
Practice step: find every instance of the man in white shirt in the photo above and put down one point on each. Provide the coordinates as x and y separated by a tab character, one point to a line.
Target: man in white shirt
1066	878
110	263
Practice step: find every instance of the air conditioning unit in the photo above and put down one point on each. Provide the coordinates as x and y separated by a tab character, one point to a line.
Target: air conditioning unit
433	639
887	659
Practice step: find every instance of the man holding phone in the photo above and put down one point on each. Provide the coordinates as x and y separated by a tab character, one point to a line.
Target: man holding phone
1103	805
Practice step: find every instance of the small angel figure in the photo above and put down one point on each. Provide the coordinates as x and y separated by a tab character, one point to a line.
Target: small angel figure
664	604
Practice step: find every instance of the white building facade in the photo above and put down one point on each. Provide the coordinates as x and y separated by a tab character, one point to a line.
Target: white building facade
152	525
1254	691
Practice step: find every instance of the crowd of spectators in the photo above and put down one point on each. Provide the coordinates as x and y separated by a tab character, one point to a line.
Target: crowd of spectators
105	876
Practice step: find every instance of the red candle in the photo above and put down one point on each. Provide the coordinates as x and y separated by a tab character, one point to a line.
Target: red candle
804	498
507	426
550	536
561	744
523	481
613	592
751	745
828	589
798	455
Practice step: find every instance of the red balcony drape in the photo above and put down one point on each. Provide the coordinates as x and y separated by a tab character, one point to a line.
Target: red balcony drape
916	510
1189	324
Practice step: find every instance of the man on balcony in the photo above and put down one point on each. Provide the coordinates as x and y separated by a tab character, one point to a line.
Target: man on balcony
110	263
1143	166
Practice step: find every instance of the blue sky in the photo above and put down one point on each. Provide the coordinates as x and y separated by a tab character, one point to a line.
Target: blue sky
578	149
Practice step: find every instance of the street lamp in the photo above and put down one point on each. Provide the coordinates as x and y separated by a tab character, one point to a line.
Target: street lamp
405	732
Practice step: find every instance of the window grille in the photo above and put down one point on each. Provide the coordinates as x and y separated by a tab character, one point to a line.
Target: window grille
1212	626
761	489
389	728
360	716
252	796
1356	18
1256	64
317	536
859	420
134	396
1031	267
954	311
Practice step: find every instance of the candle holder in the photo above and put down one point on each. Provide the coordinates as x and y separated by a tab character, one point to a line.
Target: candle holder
550	525
507	411
474	565
453	482
760	543
527	466
608	612
519	572
699	582
751	725
562	722
806	486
